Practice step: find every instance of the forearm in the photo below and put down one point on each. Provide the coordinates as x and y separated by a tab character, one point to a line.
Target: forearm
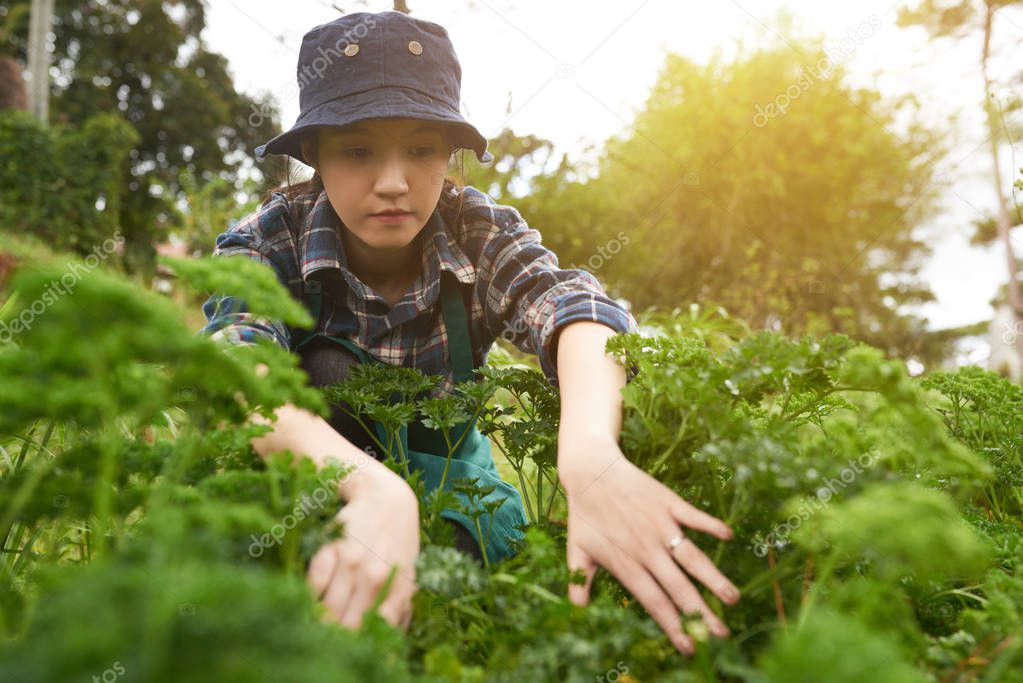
591	382
308	434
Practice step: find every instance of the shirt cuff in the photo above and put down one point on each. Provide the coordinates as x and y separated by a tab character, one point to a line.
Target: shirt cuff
573	307
244	334
228	321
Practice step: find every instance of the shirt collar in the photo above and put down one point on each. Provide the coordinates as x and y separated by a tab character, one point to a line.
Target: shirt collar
320	245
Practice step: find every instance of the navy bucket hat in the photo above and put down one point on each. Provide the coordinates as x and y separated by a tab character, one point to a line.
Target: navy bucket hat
378	65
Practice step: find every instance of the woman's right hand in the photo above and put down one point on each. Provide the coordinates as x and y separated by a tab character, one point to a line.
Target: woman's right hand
381	530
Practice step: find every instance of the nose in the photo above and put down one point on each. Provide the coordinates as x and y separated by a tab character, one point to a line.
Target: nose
391	179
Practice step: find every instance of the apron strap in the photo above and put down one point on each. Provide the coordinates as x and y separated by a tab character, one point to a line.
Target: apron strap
312	297
455	320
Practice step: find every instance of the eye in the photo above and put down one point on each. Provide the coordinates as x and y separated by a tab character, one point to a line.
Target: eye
362	152
353	152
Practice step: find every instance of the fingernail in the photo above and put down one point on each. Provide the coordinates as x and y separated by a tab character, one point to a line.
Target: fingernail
731	593
721	631
685	645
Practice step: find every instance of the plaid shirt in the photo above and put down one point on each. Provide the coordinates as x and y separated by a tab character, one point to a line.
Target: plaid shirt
518	292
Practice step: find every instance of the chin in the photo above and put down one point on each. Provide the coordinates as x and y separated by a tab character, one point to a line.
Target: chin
381	240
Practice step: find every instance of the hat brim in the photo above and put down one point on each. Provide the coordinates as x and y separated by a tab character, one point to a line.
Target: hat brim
385	102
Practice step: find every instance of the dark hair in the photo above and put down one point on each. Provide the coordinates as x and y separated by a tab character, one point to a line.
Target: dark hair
451	195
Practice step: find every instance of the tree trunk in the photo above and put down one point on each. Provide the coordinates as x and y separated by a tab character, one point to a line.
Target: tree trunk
1002	215
13	94
40	25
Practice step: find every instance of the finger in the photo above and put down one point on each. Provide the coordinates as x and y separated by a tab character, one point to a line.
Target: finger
396	611
577	558
653	598
695	518
321	569
397	607
699	566
362	596
369	583
342	584
684	593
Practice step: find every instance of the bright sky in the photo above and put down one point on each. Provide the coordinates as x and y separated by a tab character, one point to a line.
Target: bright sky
511	52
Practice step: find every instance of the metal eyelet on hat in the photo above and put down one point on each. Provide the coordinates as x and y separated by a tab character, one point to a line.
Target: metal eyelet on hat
352	50
415	47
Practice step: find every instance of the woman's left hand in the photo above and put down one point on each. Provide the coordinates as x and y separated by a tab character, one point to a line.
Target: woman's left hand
621	518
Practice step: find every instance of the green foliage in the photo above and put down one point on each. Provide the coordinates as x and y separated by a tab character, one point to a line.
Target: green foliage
837	644
872	528
873	537
526	433
63	183
985	411
105	349
259	282
788	222
518	625
212	206
178	621
146	59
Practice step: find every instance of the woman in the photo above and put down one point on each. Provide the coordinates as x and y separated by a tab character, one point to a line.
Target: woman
379	121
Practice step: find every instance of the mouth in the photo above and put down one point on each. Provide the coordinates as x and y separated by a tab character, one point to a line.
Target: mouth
391	214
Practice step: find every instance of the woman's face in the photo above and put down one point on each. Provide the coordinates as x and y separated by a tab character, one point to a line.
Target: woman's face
380	164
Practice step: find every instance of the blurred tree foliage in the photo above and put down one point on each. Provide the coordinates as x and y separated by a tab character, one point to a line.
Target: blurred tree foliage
63	183
805	221
516	169
959	19
213	207
146	60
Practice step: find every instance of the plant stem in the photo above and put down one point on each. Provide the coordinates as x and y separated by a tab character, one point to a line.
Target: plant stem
483	546
807	578
779	604
550	502
447	463
525	495
435	506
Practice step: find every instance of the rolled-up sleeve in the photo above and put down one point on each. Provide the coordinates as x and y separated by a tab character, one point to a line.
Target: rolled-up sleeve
228	317
527	299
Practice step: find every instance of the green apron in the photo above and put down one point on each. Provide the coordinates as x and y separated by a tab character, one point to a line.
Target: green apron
426	447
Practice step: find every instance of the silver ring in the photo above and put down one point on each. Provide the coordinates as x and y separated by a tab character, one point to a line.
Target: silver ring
675	542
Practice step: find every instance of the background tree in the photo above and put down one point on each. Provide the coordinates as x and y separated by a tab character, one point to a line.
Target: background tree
211	208
146	60
519	172
63	183
12	85
802	221
959	19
